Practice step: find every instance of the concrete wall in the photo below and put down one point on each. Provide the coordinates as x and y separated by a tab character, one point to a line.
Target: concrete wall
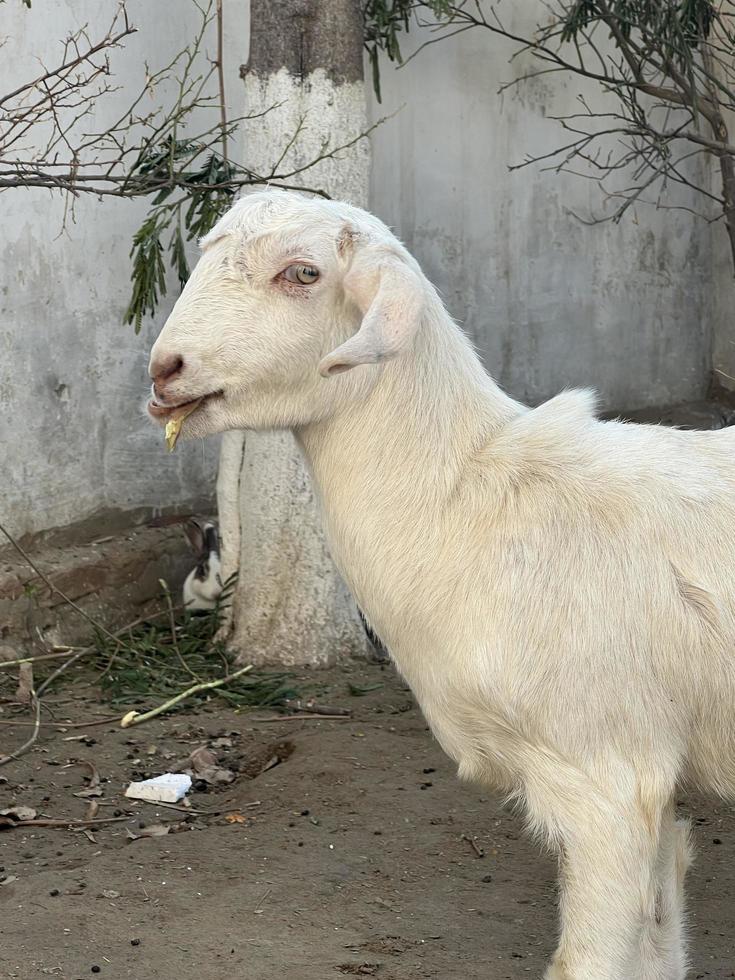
550	302
76	442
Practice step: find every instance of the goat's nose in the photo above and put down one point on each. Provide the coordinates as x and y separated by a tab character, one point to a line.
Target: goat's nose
166	367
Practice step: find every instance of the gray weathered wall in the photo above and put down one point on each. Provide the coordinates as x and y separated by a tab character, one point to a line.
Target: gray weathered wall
550	302
76	442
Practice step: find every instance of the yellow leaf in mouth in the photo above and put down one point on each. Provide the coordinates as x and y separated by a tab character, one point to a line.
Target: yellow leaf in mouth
173	426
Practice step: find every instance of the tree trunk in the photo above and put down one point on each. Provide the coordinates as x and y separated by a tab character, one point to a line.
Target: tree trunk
727	172
723	351
290	606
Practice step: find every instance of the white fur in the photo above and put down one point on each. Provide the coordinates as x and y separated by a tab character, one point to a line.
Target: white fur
558	591
202	594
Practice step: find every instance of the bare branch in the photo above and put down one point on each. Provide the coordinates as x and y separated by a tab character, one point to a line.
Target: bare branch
670	66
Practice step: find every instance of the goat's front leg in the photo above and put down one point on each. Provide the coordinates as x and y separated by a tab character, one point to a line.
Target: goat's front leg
608	866
606	871
663	938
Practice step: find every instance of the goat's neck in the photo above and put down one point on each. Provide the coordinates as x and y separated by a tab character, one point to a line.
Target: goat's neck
388	466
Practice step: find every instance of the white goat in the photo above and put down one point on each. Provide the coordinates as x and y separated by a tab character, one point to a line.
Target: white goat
559	592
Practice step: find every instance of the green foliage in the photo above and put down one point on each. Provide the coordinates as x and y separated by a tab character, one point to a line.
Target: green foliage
212	194
384	21
156	664
149	273
179	261
670	64
676	27
201	192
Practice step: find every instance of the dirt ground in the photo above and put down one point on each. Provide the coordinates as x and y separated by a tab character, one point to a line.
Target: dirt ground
359	855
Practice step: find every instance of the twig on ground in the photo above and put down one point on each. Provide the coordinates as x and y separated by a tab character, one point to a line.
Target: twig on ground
474	845
57	655
62	724
60	670
49	822
215	812
136	718
33	737
311	707
259	909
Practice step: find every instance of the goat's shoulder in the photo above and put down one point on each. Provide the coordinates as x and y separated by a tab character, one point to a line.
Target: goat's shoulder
552	438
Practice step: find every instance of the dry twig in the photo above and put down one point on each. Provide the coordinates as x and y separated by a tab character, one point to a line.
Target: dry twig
36	701
137	718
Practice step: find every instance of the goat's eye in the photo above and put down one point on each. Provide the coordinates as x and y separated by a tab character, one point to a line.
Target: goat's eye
303	274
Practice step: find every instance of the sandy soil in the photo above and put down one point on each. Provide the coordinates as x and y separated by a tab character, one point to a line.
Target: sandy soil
360	855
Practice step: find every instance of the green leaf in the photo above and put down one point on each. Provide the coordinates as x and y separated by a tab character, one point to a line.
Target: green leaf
149	273
178	257
374	63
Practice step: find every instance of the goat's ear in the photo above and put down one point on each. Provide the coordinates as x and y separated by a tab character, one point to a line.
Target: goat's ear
391	296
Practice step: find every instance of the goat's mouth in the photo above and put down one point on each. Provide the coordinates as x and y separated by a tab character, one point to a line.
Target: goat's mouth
167	413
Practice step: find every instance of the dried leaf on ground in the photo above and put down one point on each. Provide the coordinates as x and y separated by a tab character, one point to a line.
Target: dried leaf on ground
92	775
15	813
90	793
202	764
310	706
93	789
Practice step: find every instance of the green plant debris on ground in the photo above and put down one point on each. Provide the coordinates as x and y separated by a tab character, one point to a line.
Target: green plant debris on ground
154	661
359	691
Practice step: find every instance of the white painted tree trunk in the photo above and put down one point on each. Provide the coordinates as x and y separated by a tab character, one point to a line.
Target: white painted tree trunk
290	606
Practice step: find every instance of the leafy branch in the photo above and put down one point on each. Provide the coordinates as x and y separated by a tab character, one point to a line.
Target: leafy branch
186	173
670	64
385	21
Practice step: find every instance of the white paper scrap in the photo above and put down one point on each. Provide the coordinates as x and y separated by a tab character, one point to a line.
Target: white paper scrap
168	788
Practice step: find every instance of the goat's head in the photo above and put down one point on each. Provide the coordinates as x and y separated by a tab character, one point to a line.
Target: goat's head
289	293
